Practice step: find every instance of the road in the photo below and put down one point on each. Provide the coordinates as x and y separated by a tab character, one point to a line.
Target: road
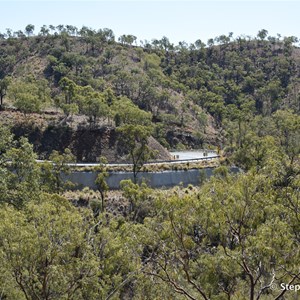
180	157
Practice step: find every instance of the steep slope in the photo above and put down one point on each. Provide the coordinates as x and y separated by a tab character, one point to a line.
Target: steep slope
192	91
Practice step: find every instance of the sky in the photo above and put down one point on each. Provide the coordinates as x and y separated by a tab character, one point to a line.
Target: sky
181	20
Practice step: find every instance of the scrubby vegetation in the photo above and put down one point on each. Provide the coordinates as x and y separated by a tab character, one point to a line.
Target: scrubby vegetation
232	237
193	94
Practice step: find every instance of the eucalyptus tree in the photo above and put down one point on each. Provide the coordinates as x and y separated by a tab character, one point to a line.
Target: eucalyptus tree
100	181
4	84
29	29
235	244
44	31
133	139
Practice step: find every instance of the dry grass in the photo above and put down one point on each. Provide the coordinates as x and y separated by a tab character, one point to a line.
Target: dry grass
160	167
115	202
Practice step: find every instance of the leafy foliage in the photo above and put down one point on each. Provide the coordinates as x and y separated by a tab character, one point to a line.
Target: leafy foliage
133	140
222	78
233	237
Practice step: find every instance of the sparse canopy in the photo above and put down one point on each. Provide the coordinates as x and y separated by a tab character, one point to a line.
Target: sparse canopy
29	29
133	139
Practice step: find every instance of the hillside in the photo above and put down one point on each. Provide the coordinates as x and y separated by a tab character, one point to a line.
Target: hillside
193	94
70	94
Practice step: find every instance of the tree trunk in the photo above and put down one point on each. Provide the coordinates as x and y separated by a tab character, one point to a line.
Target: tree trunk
102	201
1	102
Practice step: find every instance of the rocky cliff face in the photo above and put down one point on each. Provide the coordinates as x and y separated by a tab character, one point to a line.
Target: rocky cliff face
87	143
